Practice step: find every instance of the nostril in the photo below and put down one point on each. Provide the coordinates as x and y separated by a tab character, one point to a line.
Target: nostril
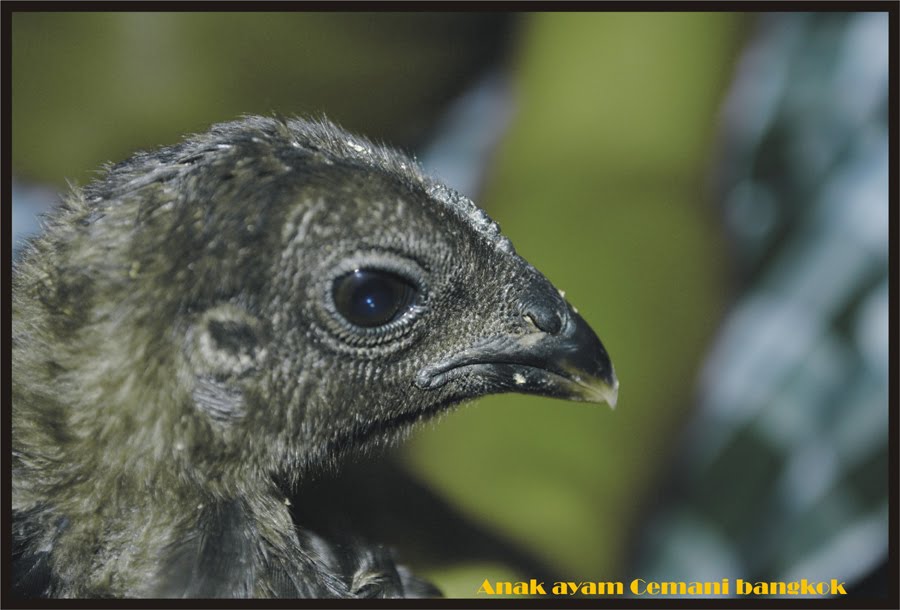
547	319
541	306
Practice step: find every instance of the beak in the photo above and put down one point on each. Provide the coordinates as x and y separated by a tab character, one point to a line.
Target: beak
570	363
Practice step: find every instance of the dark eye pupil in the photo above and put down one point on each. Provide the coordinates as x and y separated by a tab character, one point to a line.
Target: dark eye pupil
370	297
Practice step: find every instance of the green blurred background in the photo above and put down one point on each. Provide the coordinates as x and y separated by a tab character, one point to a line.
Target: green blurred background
599	180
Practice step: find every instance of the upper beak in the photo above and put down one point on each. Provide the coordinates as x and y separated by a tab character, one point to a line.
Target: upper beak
570	363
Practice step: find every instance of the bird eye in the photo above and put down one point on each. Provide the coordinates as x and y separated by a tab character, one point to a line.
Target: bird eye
371	297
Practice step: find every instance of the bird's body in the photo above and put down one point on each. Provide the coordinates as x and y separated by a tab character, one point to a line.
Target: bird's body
212	322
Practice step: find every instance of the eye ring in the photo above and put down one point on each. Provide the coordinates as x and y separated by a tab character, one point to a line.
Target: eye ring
396	332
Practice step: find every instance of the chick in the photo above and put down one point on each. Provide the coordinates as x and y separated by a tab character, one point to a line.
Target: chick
214	322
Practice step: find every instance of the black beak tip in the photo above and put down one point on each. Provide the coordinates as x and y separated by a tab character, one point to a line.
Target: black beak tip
586	363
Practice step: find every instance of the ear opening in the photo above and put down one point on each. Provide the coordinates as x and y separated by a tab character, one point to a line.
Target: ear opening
225	341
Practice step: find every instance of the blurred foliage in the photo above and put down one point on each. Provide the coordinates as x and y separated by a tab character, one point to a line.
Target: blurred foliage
600	184
89	88
782	471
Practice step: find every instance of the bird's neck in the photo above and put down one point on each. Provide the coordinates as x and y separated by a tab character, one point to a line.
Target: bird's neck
170	538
